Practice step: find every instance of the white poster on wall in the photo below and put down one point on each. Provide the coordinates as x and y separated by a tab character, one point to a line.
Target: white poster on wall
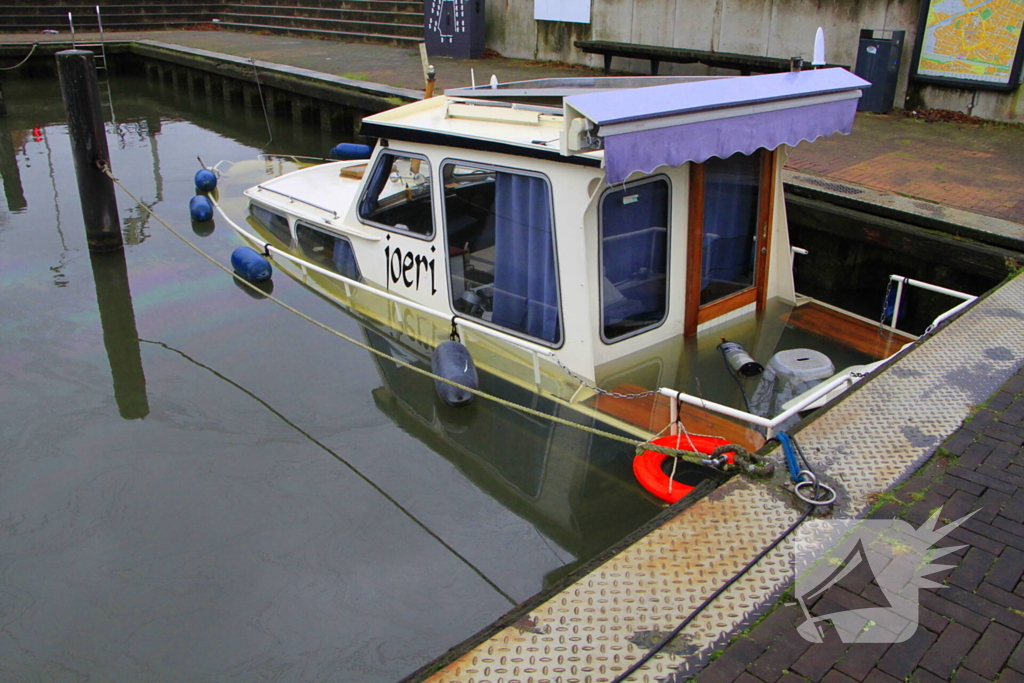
577	11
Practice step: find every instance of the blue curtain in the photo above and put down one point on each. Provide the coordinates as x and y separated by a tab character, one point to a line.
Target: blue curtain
634	253
525	286
730	224
345	259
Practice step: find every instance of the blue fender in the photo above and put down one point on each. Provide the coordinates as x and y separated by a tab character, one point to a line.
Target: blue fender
251	265
452	361
206	180
200	209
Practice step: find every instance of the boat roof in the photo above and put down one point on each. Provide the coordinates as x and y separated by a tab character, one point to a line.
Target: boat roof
520	129
625	132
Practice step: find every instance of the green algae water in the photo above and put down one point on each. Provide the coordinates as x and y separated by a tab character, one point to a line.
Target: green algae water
196	485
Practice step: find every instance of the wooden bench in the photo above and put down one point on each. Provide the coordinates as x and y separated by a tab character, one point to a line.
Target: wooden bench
745	64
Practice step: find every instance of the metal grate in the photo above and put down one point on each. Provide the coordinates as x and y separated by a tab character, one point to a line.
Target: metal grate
830	185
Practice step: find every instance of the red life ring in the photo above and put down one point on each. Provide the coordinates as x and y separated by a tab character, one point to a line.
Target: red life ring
647	466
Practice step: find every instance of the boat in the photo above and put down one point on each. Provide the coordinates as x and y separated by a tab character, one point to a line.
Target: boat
625	254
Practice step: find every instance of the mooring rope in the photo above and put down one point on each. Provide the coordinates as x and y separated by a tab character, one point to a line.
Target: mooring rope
27	57
369	482
751	464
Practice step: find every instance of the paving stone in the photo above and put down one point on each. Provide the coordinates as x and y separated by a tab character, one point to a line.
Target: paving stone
747	678
1011	676
1006	571
834	676
932	621
1004	474
959	442
947	652
980	421
1009	526
878	676
1001	456
992	650
925	676
782	620
902	658
989	505
780	656
963	484
963	535
860	659
974	455
1000	402
963	675
996	532
732	662
972	569
815	662
1000	597
960	503
1016	660
985	607
985	480
958	613
1014	508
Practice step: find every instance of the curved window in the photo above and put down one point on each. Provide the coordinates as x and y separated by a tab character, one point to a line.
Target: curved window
329	251
634	258
501	249
397	195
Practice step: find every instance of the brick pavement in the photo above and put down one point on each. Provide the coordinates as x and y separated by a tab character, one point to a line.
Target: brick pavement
971	629
972	167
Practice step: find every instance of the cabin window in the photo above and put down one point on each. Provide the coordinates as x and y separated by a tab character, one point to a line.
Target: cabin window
397	195
501	249
332	252
274	222
634	258
731	192
731	204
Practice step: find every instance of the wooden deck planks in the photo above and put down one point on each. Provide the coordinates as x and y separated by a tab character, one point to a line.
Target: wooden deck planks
652	413
858	334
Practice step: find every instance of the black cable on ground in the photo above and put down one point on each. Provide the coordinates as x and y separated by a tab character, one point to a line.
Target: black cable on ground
711	598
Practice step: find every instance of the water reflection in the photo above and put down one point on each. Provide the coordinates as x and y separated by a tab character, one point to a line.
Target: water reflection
287	508
120	336
9	168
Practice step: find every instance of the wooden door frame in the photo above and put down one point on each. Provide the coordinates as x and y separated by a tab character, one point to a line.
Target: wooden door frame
695	313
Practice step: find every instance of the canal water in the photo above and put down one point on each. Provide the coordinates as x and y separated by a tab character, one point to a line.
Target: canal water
196	485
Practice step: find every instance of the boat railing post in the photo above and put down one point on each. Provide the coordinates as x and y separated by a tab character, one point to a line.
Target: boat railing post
673	417
899	298
536	367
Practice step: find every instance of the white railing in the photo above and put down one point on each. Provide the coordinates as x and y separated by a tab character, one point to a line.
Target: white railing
848	379
901	281
535	350
770	424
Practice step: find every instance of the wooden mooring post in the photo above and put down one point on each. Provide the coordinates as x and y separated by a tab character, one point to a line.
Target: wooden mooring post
81	94
3	105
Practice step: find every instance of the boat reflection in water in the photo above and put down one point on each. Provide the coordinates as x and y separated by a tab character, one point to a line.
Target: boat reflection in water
575	488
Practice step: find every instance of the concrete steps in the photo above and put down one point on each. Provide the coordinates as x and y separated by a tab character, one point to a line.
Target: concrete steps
396	22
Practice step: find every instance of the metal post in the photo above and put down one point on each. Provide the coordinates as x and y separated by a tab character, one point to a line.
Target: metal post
80	90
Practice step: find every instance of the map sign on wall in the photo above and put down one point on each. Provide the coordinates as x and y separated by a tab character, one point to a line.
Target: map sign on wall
576	11
970	43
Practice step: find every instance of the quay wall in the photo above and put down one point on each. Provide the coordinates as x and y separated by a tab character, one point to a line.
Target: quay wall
770	28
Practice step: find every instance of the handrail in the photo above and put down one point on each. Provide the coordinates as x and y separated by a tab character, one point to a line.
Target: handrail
769	424
900	280
298	199
536	350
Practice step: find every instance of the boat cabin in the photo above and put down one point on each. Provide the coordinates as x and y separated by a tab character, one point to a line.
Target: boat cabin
622	235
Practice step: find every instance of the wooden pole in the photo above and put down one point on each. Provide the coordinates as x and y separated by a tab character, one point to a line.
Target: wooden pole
80	90
3	106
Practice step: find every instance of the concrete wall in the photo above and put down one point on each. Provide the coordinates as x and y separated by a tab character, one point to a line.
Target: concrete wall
772	28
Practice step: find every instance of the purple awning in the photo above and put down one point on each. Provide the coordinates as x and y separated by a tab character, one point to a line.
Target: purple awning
673	124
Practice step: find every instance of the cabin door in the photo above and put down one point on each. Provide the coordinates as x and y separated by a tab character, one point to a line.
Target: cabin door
731	204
